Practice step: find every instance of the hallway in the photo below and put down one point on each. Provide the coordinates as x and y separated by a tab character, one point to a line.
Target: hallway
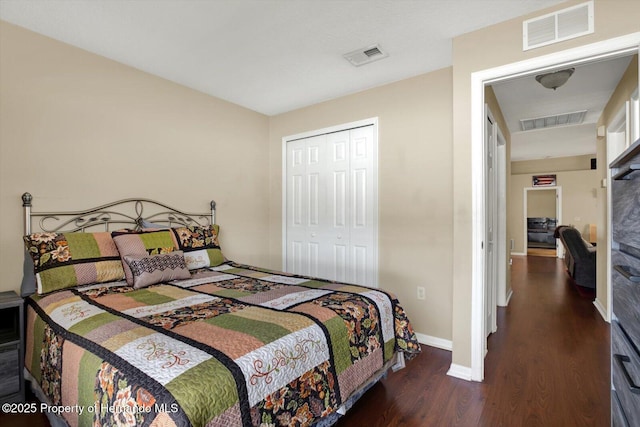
548	365
552	352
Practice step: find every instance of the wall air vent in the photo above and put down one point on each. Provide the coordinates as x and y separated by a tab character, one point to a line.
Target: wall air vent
365	55
558	26
565	119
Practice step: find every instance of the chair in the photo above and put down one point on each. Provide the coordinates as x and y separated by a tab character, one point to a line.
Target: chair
580	256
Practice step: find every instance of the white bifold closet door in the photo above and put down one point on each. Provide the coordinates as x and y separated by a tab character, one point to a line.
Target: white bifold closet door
330	206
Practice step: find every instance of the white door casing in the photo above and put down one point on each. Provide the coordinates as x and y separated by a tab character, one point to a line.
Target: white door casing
330	222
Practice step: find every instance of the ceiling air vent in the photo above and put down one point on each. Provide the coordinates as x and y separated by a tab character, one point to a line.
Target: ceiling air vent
558	26
365	55
565	119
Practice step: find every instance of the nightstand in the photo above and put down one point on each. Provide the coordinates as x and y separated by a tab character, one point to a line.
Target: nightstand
11	347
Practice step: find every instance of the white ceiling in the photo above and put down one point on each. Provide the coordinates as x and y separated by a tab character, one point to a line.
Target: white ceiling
270	56
274	56
589	88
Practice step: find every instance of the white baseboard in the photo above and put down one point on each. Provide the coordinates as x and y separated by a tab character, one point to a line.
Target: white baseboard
518	254
509	297
434	341
601	309
459	371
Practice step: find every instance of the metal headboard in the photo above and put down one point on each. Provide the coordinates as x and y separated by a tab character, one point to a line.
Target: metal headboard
119	214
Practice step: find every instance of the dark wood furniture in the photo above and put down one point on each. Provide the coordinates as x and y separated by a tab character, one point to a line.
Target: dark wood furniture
11	348
625	259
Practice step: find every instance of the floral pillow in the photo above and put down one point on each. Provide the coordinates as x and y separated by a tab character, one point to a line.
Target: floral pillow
142	243
63	260
200	245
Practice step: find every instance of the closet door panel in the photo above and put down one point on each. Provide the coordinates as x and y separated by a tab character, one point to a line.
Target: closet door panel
305	194
340	262
338	200
363	206
331	206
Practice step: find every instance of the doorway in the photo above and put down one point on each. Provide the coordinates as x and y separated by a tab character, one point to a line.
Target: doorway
603	50
542	213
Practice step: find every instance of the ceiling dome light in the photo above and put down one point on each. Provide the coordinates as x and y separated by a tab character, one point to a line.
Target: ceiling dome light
556	79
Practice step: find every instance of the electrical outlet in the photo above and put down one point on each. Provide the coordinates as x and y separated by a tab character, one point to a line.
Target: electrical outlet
421	293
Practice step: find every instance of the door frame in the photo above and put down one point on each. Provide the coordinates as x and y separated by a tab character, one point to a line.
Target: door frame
372	121
627	44
558	194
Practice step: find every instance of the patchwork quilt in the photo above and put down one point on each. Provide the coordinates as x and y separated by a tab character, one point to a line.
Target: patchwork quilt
232	345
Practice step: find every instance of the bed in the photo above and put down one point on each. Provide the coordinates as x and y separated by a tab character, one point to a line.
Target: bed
134	316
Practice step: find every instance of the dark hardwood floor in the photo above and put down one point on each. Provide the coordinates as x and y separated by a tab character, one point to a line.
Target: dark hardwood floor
548	365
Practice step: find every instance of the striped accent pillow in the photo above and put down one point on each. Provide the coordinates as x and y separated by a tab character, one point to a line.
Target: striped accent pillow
152	269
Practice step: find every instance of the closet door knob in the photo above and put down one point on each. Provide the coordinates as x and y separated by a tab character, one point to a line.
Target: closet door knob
313	234
339	236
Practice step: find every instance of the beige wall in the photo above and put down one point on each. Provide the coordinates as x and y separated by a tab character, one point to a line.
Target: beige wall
78	130
541	203
628	83
490	47
573	163
414	181
579	202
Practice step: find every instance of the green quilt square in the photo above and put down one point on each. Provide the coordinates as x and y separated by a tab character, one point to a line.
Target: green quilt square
58	278
159	239
82	245
210	399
